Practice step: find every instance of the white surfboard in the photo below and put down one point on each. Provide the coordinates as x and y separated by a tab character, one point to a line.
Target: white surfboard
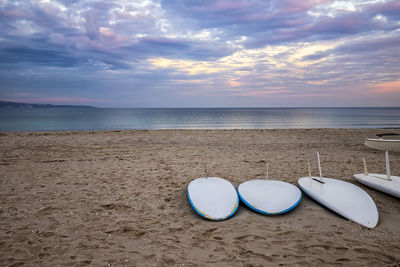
384	182
383	144
380	182
213	198
269	196
342	197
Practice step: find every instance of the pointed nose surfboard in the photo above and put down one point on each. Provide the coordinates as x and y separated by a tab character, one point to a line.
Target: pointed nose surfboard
342	197
269	196
213	198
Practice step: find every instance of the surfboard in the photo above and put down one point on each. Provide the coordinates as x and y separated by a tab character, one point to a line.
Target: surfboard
380	182
213	198
384	182
344	198
269	197
383	144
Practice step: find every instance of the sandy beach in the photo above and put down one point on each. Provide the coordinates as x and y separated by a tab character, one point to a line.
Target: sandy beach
112	198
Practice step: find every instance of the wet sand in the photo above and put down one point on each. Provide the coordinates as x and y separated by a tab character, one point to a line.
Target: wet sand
119	198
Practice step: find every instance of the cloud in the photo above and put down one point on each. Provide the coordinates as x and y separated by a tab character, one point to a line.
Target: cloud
132	51
36	56
262	92
277	22
178	28
391	87
389	9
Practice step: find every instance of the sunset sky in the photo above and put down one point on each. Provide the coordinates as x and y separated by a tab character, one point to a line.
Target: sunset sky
207	53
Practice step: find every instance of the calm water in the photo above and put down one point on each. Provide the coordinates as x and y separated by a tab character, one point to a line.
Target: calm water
55	119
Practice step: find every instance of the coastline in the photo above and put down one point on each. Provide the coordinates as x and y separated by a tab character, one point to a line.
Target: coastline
86	119
119	198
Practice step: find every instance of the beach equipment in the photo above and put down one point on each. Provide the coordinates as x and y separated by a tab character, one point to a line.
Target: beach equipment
384	182
269	196
213	198
344	198
384	144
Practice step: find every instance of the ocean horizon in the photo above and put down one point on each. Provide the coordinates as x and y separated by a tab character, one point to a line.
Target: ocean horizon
88	118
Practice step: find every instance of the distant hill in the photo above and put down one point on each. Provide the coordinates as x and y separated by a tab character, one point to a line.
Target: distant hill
8	104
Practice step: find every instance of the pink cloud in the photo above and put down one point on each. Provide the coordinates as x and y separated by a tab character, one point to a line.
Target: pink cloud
226	5
295	6
386	87
262	92
389	8
24	94
14	13
223	6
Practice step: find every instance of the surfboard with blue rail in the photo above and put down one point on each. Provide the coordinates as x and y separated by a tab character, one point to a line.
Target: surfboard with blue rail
269	197
213	198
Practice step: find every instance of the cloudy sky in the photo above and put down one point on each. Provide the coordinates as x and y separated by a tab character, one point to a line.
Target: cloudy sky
208	53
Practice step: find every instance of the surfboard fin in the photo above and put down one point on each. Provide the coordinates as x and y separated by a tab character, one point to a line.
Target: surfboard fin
319	167
387	166
365	166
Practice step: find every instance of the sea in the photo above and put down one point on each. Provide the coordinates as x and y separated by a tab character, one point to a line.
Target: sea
85	118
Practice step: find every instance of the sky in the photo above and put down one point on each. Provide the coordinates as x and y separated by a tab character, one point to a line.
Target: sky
208	53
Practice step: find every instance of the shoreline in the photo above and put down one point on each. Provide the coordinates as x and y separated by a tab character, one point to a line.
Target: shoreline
199	129
118	197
